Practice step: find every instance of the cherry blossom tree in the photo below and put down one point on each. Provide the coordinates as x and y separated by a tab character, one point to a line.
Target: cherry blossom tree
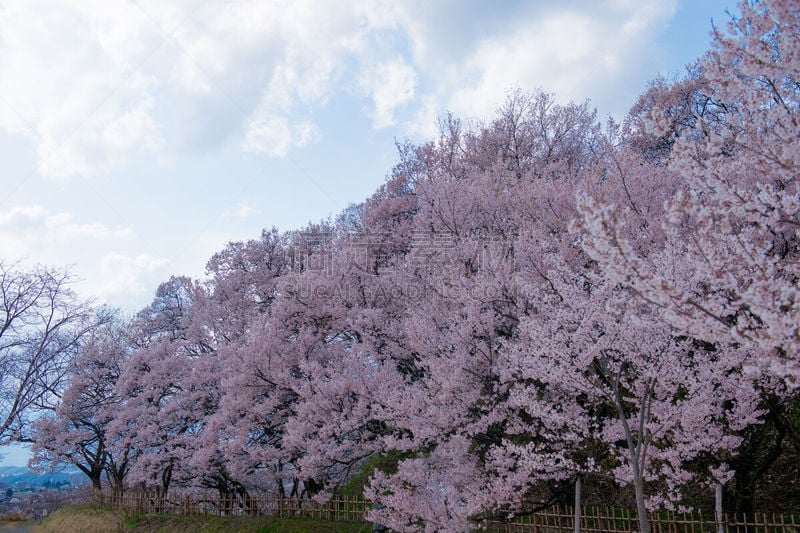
243	284
595	363
169	385
525	369
727	271
488	197
734	219
77	433
307	370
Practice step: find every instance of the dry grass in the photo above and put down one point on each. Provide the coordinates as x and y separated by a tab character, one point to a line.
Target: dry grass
81	519
90	519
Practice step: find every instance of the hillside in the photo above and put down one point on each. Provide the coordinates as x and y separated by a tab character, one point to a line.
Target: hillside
19	477
88	519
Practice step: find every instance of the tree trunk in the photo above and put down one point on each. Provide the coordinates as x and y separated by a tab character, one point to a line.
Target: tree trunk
761	447
97	488
166	479
636	450
577	504
718	508
641	510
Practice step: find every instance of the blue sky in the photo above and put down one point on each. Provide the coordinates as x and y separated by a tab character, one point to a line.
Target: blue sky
138	137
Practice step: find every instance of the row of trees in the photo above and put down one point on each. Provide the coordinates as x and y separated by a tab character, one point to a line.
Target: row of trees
527	306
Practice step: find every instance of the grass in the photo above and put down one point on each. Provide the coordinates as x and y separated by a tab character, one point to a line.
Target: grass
133	521
13	517
80	519
88	518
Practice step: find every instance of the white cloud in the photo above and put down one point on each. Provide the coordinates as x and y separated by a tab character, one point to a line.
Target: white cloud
274	135
96	83
69	147
241	212
576	49
34	234
130	277
33	231
390	84
575	54
85	105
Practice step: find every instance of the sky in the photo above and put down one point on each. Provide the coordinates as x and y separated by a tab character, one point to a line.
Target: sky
139	137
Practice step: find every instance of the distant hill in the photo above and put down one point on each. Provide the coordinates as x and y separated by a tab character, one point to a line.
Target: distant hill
15	476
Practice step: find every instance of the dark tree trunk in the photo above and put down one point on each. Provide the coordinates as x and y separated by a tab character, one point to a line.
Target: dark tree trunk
95	476
166	479
761	447
96	482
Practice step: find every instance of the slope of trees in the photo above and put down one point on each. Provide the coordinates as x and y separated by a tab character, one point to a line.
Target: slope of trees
526	307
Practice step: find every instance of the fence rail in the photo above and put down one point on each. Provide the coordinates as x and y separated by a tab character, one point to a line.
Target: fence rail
605	520
343	508
192	504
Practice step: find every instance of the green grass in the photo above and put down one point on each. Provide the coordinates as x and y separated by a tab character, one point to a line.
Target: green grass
87	518
133	521
215	524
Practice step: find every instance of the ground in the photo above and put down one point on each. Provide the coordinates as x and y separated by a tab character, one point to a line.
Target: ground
91	519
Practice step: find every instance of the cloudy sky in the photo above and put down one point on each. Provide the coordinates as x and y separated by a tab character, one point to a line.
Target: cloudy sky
138	137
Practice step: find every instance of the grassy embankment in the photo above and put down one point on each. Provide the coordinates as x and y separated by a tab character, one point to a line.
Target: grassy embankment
91	519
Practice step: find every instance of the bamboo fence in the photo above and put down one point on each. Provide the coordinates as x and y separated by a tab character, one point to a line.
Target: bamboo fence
607	520
193	504
343	508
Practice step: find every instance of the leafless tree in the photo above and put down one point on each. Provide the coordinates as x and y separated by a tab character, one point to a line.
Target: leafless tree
42	324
